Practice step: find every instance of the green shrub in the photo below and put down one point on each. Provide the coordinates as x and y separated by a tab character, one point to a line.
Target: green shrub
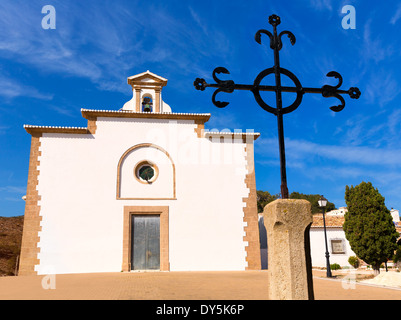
335	266
353	261
397	256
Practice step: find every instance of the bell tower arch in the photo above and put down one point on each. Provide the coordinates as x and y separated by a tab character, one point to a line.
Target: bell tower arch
146	93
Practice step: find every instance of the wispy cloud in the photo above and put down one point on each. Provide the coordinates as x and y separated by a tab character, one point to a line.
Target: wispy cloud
12	193
223	121
15	199
396	16
66	50
63	110
379	130
305	151
374	47
12	88
3	129
13	189
321	5
115	41
198	21
394	122
383	91
334	166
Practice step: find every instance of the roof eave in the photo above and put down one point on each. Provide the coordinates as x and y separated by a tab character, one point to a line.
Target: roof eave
90	114
32	130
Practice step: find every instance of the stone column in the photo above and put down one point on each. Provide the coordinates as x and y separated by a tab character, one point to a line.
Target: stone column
287	222
138	106
158	100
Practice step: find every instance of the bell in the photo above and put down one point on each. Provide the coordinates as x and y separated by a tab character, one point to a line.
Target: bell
147	108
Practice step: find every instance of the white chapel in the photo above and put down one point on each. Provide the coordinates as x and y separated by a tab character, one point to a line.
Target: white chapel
140	188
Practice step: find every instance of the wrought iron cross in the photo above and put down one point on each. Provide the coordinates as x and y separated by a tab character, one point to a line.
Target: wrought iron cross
276	44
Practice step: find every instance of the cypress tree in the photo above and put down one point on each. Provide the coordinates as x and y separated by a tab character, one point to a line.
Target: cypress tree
368	225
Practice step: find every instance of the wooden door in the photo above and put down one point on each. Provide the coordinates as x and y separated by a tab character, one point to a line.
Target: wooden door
145	248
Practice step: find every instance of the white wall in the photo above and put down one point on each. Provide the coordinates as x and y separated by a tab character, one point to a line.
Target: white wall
395	214
318	248
82	222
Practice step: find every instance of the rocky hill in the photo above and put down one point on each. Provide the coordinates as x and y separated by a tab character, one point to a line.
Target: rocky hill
10	243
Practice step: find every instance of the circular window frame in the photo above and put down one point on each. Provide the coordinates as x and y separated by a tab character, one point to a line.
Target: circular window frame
141	164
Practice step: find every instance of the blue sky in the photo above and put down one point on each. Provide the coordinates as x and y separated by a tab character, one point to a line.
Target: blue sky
47	76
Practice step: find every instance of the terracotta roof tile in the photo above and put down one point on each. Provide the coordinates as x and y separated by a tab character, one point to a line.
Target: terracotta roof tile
331	221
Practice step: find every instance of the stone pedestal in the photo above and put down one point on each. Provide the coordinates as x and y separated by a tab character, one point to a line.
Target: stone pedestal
287	222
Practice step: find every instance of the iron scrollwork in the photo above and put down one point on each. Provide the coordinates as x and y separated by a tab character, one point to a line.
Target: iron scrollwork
276	43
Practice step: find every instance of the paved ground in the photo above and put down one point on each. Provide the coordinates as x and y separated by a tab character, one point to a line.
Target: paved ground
245	285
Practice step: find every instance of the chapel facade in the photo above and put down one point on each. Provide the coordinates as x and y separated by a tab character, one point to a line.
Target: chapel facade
140	188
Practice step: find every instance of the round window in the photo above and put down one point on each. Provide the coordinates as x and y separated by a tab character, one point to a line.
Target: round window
146	172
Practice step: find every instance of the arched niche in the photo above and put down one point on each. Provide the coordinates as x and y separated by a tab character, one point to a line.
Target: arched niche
132	187
147	104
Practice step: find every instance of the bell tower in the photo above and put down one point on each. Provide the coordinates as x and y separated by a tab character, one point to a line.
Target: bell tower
146	93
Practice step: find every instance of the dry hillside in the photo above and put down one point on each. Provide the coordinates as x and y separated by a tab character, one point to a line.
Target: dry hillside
10	243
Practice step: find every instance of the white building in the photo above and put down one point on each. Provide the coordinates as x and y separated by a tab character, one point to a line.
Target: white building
341	211
395	214
337	244
140	188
